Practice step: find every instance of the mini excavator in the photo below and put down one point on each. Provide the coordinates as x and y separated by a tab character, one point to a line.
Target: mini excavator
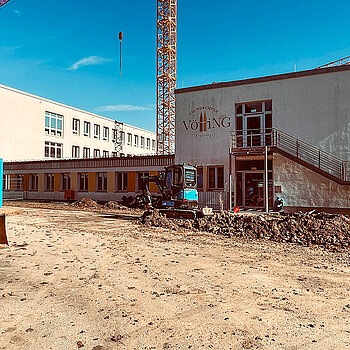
178	192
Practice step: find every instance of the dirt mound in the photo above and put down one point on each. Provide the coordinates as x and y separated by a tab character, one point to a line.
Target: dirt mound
114	205
87	203
322	229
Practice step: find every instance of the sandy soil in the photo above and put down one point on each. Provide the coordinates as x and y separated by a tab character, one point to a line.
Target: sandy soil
78	279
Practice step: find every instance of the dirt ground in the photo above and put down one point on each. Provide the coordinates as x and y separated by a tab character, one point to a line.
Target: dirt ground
77	279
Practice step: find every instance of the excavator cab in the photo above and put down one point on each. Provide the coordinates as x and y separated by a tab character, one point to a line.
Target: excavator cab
180	188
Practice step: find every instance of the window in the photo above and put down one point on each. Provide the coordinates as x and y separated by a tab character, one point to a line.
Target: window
53	124
122	136
101	181
121	181
7	182
65	182
83	182
153	144
129	139
200	177
216	177
105	135
53	150
87	129
136	141
96	131
49	182
97	153
75	151
139	180
33	182
148	143
76	126
105	154
86	152
19	183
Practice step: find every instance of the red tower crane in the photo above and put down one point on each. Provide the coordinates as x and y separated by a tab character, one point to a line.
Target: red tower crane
166	75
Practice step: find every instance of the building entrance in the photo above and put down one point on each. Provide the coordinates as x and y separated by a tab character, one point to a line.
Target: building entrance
250	183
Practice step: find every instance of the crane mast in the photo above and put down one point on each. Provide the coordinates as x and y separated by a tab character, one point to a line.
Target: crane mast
166	75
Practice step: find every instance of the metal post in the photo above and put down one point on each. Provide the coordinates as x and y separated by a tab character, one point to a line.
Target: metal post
234	185
230	181
266	182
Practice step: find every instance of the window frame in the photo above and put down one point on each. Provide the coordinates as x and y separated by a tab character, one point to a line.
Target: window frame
136	141
75	151
97	153
87	129
83	178
86	152
97	131
103	177
121	182
105	133
53	148
76	126
129	139
51	130
33	182
66	181
51	178
217	186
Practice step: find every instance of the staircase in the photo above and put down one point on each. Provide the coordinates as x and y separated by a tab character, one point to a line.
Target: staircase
324	163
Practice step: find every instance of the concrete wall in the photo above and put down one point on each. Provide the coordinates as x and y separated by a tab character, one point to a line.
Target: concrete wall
22	128
313	108
302	187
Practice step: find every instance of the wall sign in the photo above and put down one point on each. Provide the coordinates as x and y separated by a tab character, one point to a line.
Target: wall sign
202	120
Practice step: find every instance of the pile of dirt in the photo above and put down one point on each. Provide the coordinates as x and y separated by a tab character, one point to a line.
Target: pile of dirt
115	205
87	203
323	229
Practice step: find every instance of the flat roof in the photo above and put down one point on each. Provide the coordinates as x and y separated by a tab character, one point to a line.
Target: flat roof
67	106
304	73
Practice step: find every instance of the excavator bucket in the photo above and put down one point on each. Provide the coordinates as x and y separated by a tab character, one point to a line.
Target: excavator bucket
3	237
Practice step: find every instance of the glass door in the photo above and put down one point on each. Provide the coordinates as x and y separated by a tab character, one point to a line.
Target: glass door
253	130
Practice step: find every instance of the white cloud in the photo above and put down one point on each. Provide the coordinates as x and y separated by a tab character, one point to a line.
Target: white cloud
17	12
121	108
89	61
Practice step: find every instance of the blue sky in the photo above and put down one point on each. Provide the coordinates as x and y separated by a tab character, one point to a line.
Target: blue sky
68	51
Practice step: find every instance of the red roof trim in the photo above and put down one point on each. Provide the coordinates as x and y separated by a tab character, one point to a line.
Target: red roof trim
265	79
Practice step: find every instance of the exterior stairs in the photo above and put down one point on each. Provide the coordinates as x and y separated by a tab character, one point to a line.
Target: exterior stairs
311	157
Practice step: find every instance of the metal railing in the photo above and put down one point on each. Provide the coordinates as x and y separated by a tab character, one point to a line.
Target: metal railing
299	149
213	199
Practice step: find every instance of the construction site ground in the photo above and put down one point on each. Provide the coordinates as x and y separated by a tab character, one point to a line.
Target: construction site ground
96	279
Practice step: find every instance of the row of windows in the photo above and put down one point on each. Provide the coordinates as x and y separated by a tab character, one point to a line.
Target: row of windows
121	182
87	130
215	178
87	152
138	141
54	127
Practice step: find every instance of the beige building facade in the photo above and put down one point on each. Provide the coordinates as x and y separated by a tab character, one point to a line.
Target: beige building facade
34	128
303	118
